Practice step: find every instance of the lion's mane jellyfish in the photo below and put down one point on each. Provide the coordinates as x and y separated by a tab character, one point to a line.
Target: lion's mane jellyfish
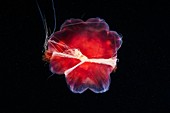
86	52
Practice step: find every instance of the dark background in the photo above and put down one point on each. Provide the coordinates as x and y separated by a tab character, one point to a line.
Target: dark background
140	84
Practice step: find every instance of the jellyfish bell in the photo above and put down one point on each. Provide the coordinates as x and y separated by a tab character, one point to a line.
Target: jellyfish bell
86	52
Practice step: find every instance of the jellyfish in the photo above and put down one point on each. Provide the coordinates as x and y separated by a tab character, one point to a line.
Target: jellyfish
85	52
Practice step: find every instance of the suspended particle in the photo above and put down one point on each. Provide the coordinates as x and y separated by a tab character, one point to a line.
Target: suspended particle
85	52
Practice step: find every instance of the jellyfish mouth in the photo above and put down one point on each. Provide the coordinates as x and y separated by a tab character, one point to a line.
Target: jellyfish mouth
76	54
